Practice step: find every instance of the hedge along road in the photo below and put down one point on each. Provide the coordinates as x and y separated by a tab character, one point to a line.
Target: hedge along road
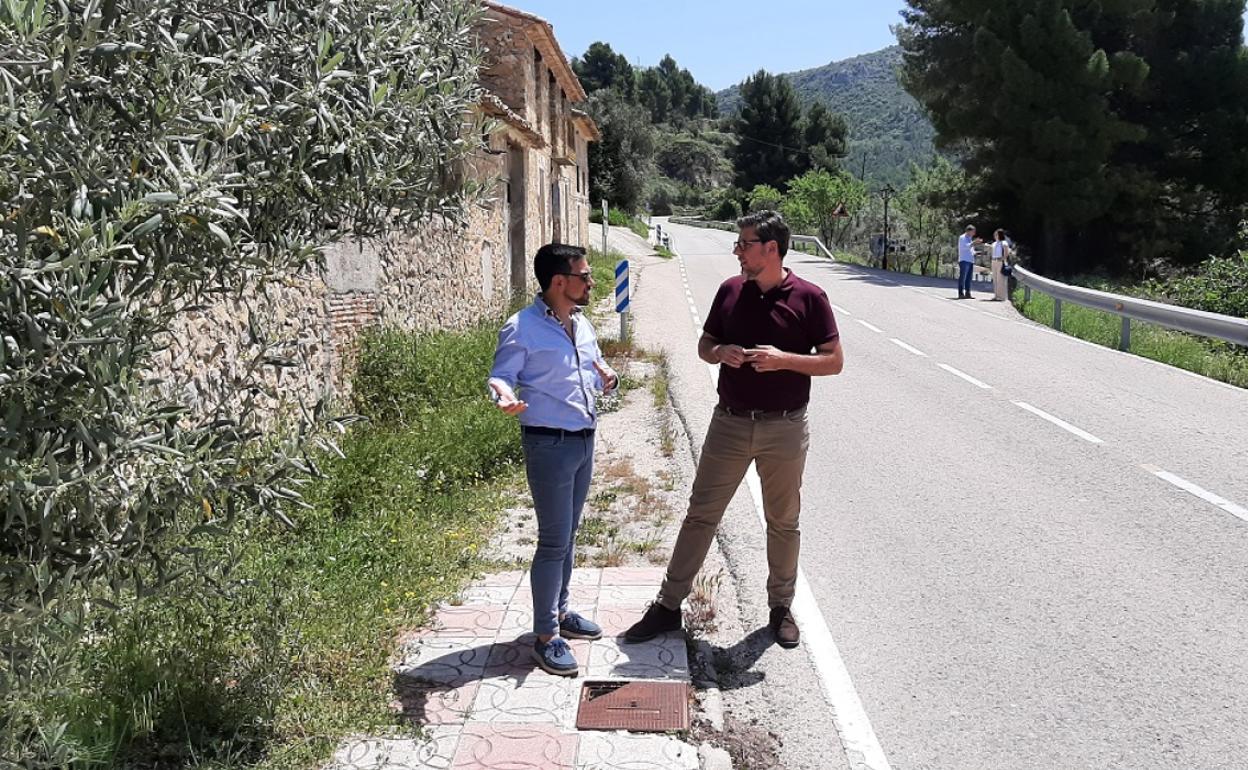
1030	551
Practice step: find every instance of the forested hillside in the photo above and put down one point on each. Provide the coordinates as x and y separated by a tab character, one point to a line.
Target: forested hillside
887	128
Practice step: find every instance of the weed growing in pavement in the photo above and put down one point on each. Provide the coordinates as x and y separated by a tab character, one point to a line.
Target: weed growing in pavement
700	607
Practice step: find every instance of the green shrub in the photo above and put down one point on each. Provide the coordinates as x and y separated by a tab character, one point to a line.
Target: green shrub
285	654
727	210
401	376
1218	285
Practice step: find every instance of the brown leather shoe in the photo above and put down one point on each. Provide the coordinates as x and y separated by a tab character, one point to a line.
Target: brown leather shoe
784	627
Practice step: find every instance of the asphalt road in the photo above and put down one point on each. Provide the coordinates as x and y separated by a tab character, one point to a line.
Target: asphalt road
1031	552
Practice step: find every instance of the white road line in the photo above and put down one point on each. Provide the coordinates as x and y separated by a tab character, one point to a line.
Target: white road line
841	310
1235	510
857	735
904	346
1058	422
965	376
848	714
875	329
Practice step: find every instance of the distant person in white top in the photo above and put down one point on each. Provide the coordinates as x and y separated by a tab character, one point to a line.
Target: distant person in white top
966	261
1001	251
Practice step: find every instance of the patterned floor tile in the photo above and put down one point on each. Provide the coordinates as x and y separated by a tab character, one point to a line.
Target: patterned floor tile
476	621
443	660
497	595
517	621
429	704
615	619
579	597
511	578
436	751
513	658
627	751
627	595
515	747
537	698
586	576
660	658
633	576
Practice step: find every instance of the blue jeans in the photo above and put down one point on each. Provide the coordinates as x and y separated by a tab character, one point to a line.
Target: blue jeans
558	469
964	277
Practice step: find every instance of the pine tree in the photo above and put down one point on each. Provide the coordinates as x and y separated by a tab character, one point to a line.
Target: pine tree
824	137
1111	131
601	67
770	146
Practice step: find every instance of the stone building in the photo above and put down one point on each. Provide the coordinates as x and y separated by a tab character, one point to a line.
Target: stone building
534	170
531	90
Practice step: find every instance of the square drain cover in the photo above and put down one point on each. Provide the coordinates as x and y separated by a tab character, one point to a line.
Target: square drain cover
639	706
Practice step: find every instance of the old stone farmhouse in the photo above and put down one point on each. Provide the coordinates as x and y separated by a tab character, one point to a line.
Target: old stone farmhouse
535	171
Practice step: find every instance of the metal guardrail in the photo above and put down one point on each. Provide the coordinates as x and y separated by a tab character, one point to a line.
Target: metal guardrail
1199	322
812	239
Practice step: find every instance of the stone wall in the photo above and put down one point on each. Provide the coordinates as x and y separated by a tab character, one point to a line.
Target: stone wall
439	276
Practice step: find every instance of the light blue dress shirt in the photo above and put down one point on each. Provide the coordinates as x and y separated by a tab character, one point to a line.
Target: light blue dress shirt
966	249
538	360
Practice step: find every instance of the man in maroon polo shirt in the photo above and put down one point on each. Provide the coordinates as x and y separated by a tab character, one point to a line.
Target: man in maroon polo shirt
770	331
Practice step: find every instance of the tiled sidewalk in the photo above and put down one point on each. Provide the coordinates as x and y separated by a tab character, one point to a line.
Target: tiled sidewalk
471	683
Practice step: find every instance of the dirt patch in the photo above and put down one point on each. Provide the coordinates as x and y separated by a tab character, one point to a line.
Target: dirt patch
751	746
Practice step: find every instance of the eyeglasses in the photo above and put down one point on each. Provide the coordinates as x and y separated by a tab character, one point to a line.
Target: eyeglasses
745	244
586	276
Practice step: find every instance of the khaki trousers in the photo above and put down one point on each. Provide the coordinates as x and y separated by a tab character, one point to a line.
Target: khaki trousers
778	448
1000	283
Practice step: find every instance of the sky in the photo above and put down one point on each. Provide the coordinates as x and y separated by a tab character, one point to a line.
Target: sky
722	42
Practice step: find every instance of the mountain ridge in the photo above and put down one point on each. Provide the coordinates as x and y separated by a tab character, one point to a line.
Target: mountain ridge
887	128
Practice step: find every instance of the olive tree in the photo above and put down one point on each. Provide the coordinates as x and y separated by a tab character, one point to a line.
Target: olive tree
155	156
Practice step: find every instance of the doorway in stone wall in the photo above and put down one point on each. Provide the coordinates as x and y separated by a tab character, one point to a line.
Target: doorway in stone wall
515	220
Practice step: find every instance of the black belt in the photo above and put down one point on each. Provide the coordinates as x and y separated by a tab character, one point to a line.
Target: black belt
541	430
761	414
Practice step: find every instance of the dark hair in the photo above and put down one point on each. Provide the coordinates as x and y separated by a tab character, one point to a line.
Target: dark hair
999	234
768	226
553	259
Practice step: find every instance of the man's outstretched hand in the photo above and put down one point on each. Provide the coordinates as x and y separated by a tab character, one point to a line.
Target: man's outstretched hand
507	400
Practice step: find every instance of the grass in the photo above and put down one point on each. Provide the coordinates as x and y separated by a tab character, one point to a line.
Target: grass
621	219
279	658
1212	358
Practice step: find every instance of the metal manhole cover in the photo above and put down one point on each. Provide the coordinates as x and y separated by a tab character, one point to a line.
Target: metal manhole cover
638	706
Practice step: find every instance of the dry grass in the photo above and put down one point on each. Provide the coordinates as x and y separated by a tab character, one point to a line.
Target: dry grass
700	606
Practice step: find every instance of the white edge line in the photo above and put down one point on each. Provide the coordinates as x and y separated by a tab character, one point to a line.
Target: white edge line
1083	434
965	376
841	310
904	346
857	735
875	329
1235	510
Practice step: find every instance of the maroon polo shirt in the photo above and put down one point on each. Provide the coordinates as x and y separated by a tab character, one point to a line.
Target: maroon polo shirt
795	317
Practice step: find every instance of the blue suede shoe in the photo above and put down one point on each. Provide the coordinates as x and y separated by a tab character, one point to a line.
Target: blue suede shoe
555	657
574	626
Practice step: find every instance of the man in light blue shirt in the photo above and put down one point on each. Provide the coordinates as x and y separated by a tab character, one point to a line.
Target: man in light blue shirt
547	371
966	261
